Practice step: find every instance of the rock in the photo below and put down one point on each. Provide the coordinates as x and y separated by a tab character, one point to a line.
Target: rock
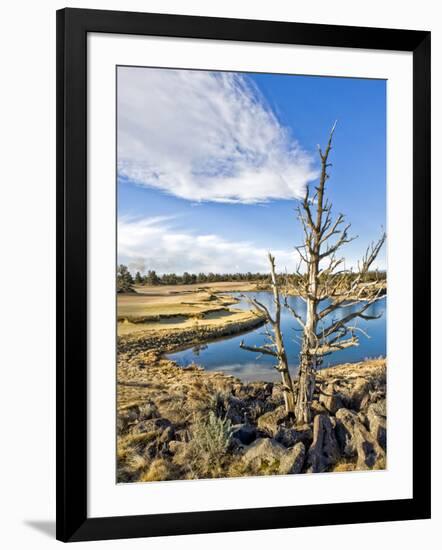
356	440
266	456
122	424
268	389
372	397
263	447
324	451
147	411
331	400
291	436
167	435
377	422
380	407
356	393
277	393
364	402
176	446
270	421
126	418
293	461
152	425
378	395
182	435
245	433
235	410
318	408
263	457
254	391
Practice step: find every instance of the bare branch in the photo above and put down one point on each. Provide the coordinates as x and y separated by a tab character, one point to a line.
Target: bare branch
333	231
343	239
327	349
344	303
372	253
337	325
260	307
264	350
294	312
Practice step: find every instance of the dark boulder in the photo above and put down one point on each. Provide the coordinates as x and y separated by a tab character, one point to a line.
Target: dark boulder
244	433
377	422
330	399
293	461
291	436
324	451
271	421
356	440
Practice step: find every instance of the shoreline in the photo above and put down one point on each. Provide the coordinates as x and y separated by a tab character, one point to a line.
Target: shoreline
173	340
166	414
163	410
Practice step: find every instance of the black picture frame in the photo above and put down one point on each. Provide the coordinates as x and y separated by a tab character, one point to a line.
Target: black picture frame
73	25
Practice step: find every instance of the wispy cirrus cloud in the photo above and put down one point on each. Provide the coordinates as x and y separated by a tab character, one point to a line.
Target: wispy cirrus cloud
157	243
205	136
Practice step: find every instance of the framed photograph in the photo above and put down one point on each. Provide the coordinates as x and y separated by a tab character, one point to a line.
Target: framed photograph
243	273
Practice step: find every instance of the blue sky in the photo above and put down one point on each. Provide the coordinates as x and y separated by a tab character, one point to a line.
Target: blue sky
211	165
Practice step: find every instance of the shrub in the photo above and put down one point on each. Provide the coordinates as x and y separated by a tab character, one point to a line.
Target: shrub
210	439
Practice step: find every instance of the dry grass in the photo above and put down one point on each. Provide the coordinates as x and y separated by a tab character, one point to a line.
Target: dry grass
160	470
193	401
167	309
344	465
170	300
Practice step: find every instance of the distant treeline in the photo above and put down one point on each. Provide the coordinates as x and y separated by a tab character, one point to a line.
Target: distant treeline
125	280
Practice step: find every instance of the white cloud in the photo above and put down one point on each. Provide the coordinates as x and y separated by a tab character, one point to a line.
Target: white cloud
154	243
205	136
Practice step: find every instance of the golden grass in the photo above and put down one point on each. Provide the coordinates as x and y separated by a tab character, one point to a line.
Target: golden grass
169	308
160	470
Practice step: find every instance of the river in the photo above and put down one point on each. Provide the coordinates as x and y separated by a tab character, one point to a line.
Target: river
226	355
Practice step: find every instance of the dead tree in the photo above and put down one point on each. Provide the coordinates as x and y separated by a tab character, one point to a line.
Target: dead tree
275	347
321	277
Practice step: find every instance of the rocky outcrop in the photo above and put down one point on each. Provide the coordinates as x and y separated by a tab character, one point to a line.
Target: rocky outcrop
263	456
244	433
159	404
267	456
377	422
293	461
289	437
330	399
356	441
271	421
324	451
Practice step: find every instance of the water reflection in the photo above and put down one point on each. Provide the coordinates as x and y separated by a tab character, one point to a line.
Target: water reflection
226	355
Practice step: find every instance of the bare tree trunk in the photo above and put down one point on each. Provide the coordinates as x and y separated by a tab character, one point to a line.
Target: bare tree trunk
327	283
283	366
306	386
307	367
276	346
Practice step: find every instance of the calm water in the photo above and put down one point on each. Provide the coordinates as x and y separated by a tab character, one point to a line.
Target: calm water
226	355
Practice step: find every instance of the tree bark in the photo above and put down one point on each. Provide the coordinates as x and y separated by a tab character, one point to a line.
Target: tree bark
308	360
276	346
307	367
283	366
